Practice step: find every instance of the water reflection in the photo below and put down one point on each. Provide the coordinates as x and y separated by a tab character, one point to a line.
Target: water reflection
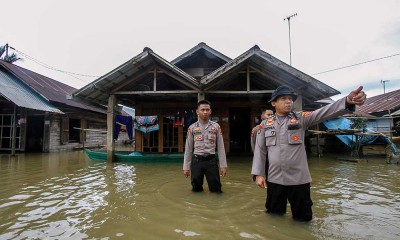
67	196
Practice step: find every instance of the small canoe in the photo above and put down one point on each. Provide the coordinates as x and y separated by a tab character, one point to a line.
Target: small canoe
135	156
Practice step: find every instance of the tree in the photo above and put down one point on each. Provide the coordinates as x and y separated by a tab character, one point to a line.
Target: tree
5	56
359	125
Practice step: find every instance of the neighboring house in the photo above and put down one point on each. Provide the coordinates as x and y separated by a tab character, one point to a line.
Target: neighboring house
385	108
237	88
45	120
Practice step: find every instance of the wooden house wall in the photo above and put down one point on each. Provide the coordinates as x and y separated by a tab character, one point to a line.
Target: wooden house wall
93	138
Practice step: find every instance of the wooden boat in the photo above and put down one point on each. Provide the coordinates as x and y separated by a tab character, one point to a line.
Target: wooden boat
135	156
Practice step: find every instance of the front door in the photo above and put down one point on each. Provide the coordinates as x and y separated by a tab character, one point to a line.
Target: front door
239	130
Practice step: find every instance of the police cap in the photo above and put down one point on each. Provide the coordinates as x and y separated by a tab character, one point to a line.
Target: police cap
283	90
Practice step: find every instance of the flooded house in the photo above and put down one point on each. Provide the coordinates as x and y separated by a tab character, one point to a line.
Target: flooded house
165	93
383	108
36	116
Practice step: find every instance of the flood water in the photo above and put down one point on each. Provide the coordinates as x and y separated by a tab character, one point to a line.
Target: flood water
68	196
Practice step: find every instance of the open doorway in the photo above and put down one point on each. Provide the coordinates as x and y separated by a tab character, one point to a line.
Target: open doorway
34	134
239	130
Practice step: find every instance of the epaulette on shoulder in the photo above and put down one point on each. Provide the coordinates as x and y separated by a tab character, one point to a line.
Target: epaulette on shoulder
215	124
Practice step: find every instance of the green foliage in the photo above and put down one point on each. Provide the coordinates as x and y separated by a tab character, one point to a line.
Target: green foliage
358	123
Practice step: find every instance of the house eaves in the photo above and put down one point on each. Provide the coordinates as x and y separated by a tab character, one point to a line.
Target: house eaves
99	90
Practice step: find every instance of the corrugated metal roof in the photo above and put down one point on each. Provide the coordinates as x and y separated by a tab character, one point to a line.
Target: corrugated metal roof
381	103
50	89
15	91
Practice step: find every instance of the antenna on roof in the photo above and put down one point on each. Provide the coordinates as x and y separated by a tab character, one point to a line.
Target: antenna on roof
384	82
390	115
290	45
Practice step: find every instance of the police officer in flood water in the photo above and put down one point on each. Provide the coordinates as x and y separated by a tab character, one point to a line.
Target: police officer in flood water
282	138
203	138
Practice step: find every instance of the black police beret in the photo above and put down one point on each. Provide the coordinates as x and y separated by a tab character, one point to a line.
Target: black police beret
283	90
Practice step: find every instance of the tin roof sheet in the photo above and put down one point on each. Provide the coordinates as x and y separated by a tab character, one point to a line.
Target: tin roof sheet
49	89
14	90
381	103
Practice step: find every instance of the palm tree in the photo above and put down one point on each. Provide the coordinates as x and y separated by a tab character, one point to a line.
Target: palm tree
10	58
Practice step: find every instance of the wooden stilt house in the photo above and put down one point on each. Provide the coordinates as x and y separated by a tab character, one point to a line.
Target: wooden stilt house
237	88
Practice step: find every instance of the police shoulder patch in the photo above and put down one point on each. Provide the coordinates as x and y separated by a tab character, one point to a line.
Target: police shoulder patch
305	114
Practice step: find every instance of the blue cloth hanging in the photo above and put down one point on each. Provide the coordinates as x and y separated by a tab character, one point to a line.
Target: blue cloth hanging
124	120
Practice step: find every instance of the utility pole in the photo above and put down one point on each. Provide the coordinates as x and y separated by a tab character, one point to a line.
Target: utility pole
390	115
290	44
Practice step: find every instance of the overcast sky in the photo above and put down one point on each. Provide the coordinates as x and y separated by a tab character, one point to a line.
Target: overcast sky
93	37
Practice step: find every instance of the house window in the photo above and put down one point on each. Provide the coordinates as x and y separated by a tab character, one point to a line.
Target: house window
71	130
74	133
6	131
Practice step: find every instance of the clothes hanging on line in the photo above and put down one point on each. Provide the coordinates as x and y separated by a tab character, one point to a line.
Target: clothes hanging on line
146	124
178	121
120	121
189	118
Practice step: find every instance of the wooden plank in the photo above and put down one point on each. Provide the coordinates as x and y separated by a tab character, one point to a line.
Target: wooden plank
110	128
160	134
180	139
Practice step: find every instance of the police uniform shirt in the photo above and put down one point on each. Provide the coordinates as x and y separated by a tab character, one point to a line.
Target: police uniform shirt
204	141
284	142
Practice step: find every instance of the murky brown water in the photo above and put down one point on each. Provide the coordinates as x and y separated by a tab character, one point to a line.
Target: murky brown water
68	196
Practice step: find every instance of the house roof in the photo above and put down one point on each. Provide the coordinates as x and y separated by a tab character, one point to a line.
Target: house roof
393	114
265	66
201	46
49	89
134	75
380	104
15	91
255	72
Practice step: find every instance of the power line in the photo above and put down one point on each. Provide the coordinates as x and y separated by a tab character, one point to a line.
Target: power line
352	65
72	74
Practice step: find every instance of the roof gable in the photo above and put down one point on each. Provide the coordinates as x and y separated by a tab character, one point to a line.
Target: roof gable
200	60
145	73
263	71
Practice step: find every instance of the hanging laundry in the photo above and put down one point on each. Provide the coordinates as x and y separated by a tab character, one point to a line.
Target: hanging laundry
146	124
178	122
120	121
189	118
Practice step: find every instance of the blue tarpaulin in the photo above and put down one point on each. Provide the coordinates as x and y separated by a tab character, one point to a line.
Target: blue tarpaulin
344	124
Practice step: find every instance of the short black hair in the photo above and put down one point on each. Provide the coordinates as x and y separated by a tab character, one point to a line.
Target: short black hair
203	102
